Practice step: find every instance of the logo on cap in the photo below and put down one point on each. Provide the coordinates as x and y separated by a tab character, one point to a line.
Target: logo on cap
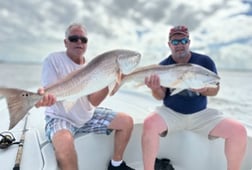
180	29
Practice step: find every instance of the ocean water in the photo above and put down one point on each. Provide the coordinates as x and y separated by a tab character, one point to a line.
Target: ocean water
234	98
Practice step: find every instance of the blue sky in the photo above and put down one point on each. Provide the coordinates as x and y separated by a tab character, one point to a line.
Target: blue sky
220	28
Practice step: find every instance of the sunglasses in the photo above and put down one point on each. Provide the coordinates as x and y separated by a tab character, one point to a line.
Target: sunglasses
76	38
182	41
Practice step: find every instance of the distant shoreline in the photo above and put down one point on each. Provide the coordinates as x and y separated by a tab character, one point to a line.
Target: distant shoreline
40	64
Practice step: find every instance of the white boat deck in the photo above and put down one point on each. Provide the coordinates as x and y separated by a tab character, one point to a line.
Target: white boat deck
186	150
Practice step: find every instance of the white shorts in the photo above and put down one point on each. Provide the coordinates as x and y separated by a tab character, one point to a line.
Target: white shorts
201	122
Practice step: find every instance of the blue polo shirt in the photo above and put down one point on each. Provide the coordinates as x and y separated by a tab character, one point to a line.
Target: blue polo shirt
188	102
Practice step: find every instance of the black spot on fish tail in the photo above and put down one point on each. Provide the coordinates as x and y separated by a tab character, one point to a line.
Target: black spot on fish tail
19	102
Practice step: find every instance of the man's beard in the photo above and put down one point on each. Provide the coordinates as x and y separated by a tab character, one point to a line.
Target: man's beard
181	55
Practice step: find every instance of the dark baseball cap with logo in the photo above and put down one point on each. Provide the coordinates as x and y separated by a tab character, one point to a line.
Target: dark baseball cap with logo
180	29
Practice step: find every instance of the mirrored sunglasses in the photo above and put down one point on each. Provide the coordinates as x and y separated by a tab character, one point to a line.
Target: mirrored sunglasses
182	41
76	38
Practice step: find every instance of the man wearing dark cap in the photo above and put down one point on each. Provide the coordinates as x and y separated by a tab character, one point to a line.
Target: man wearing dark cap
188	109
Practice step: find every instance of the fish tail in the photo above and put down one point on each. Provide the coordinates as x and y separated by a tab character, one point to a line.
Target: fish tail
118	84
115	89
19	103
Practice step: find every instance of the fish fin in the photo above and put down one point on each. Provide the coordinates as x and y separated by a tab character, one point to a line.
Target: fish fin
176	91
119	77
115	89
19	103
178	85
117	84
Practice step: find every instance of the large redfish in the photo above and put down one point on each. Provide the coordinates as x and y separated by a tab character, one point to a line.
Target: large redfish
99	73
175	76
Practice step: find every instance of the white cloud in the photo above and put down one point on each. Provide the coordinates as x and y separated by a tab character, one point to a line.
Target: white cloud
204	5
32	29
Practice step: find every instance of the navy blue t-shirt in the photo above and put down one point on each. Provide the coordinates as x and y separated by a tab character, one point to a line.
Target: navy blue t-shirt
188	102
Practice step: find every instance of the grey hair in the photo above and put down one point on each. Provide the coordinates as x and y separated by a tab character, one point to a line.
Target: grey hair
78	25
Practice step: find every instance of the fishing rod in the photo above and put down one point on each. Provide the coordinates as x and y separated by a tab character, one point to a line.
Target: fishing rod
20	147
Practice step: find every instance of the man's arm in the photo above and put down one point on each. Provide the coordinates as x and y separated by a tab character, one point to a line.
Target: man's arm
96	98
